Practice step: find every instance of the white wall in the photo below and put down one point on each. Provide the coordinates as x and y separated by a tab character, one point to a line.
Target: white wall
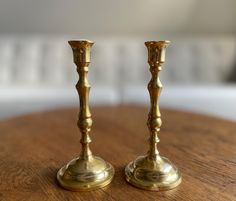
118	17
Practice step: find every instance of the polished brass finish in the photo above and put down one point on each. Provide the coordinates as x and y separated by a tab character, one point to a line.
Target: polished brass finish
87	172
153	172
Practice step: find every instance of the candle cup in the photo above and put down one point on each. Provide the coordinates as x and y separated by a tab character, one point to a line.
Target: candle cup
87	172
152	171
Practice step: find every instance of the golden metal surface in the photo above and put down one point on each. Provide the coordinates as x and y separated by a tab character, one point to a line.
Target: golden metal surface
153	172
87	172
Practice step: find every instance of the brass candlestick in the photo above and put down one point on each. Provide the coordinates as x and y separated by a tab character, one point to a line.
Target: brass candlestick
153	172
87	172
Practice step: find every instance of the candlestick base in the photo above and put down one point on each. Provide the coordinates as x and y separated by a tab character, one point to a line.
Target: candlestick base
84	175
155	175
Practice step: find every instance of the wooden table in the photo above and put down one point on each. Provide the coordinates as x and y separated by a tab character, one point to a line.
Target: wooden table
34	147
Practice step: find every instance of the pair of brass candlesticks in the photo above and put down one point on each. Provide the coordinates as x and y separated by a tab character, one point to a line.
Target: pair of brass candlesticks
88	172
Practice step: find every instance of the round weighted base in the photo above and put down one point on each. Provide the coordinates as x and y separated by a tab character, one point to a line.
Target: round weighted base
85	175
154	175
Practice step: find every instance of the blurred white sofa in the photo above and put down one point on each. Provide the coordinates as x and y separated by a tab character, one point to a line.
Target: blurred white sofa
37	73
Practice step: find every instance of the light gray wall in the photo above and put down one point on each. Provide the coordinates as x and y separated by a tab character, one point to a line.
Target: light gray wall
118	17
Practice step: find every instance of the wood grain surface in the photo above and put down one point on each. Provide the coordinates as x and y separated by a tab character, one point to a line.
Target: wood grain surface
34	147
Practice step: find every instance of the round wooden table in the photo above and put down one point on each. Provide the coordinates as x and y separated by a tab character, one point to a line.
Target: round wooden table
34	147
